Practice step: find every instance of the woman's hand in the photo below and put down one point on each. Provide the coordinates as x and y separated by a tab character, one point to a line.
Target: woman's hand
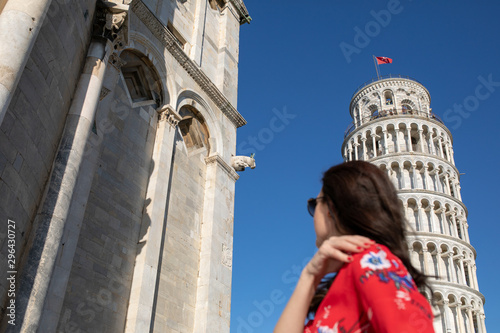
333	253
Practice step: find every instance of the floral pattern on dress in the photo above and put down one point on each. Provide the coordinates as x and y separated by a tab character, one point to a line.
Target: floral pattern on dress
375	261
378	265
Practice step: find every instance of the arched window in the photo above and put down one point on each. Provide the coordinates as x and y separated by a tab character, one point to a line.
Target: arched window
141	79
193	128
388	99
373	111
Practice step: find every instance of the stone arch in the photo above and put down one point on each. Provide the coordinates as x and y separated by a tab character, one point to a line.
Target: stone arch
141	43
388	97
189	97
407	105
141	77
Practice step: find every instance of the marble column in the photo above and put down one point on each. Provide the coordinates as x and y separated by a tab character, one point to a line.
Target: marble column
153	226
62	269
427	262
460	318
414	175
439	259
462	269
426	178
440	142
50	222
432	145
483	324
432	219
447	183
421	226
20	23
365	156
374	144
421	139
448	155
454	224
356	151
386	144
447	316
396	145
214	281
410	148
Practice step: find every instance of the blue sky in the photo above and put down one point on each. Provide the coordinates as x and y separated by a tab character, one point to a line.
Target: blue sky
295	85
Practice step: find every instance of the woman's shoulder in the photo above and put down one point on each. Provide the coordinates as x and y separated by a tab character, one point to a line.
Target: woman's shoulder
376	257
378	263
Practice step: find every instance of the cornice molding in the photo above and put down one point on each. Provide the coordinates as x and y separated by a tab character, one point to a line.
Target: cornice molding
216	158
455	286
387	83
426	236
161	32
242	11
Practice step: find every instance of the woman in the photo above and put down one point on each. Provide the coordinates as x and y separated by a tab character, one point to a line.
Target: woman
360	232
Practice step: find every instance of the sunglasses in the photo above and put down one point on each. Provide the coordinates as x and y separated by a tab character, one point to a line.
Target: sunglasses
311	205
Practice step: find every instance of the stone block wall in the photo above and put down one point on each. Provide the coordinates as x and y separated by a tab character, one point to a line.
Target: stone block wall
180	259
97	294
31	130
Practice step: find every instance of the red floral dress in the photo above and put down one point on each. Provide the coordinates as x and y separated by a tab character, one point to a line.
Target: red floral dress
373	293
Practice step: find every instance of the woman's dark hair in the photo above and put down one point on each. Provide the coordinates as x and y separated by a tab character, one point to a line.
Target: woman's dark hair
363	201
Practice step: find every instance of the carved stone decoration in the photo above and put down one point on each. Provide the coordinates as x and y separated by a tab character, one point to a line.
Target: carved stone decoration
116	61
167	113
227	256
111	22
104	92
239	163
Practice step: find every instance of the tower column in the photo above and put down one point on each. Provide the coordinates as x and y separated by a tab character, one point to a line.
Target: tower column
440	141
447	224
447	183
363	140
427	261
460	318
432	149
153	226
374	144
420	222
439	263
448	314
214	280
414	175
446	146
432	222
421	139
426	178
356	153
386	144
458	191
454	224
396	133
483	324
462	269
410	148
52	217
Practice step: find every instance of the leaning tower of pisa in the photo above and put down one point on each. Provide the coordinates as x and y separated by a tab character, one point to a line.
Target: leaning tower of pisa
394	128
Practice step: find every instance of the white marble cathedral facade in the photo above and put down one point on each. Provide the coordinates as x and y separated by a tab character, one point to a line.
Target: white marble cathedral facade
394	128
118	126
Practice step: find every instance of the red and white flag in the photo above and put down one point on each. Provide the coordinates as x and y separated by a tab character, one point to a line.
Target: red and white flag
384	60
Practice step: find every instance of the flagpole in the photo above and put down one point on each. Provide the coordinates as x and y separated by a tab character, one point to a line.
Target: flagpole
376	67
